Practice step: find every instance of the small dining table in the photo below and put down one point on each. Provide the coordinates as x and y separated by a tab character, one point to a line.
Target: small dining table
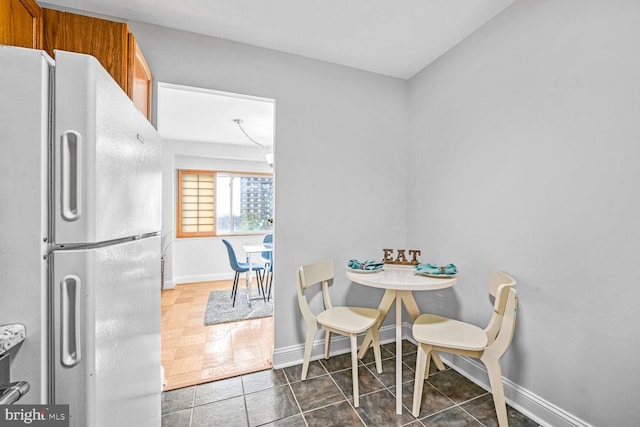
399	284
249	250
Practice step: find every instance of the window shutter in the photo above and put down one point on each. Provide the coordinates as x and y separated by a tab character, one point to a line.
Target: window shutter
196	203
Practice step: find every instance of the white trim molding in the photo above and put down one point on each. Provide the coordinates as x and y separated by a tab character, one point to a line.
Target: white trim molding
531	405
293	355
523	400
168	284
205	278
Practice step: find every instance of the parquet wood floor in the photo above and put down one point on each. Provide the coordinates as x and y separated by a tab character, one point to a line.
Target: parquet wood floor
194	354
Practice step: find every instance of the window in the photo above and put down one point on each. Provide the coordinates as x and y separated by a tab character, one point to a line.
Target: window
196	208
212	203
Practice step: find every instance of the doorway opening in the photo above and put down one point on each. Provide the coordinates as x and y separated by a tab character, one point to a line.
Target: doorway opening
193	353
221	134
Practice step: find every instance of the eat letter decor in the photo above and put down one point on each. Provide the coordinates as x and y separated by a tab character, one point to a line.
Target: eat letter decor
401	257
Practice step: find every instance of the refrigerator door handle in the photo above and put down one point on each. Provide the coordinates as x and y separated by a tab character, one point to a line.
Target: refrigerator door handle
11	393
71	169
70	313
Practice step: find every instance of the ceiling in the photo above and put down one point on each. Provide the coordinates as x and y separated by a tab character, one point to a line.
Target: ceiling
397	38
202	115
392	37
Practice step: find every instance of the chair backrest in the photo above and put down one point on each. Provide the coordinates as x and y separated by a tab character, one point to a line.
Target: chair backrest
268	239
499	278
233	261
318	273
503	322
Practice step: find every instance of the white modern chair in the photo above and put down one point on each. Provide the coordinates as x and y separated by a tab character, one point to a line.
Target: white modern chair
349	321
437	333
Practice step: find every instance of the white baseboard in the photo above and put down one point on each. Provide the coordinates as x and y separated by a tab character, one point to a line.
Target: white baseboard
203	278
531	405
293	355
523	400
168	284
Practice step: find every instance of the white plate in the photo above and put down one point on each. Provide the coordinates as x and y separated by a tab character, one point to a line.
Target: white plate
437	276
357	270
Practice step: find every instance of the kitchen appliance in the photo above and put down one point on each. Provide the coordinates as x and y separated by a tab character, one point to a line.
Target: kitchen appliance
80	218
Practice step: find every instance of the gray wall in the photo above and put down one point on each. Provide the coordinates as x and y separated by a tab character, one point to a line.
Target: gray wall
524	143
341	138
517	150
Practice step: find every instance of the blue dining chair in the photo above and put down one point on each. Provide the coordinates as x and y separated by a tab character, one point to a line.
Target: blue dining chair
242	267
267	258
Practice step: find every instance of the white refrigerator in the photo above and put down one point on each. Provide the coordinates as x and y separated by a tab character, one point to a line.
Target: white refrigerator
80	218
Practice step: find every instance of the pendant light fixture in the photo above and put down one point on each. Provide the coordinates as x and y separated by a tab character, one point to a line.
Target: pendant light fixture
269	155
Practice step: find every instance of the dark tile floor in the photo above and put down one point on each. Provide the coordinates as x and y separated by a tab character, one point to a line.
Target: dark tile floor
278	398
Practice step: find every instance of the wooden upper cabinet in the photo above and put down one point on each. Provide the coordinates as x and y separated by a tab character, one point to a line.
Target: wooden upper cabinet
112	43
139	77
21	23
106	40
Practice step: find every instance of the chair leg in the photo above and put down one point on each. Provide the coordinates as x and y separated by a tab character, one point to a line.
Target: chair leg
497	389
234	293
421	367
233	288
436	359
260	279
427	365
269	283
308	346
354	369
265	277
327	344
375	341
264	285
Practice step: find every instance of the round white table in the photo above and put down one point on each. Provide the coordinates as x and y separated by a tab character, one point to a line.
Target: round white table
399	284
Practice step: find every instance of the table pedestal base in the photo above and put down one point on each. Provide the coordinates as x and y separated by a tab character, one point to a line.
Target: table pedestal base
401	298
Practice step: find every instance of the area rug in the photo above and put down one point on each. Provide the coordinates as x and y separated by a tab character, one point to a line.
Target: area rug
219	309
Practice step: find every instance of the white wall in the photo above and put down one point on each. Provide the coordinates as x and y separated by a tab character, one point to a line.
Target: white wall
341	137
524	143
